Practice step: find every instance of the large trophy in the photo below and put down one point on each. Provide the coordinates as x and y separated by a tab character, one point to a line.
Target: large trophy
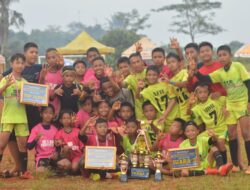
124	167
140	157
158	165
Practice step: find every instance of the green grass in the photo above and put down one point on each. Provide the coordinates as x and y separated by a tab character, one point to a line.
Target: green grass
237	181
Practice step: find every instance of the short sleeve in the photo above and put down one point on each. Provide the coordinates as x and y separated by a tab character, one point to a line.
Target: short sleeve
33	134
215	76
243	72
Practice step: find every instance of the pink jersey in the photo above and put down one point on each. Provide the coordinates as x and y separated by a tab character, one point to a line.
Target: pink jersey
166	71
72	140
53	79
45	145
90	77
94	141
166	143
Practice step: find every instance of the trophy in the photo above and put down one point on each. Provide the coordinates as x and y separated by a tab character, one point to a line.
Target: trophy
124	167
141	158
158	164
134	158
146	159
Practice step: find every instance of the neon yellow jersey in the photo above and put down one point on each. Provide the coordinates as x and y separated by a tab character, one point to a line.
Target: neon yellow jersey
182	94
233	81
126	145
203	148
13	112
131	81
158	94
210	112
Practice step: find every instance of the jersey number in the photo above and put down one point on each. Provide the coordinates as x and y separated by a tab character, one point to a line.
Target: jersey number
214	116
183	97
161	99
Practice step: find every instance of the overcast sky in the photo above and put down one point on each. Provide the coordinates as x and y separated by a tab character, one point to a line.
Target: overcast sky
233	16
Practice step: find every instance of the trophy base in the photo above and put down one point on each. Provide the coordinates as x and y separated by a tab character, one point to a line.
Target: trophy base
158	176
139	173
123	178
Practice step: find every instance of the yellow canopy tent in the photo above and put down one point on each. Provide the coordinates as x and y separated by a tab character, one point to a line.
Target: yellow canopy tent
147	46
82	43
244	51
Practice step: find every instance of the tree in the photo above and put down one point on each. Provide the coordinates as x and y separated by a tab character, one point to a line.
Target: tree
120	40
128	21
194	17
8	18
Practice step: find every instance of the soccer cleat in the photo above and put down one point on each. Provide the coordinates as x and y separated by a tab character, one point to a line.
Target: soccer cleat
212	171
225	169
26	175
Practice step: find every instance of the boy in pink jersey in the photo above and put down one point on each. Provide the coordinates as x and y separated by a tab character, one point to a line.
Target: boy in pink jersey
71	146
80	67
172	139
103	137
42	139
51	75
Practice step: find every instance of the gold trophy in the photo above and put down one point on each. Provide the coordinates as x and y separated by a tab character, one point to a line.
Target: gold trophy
124	167
134	158
158	164
146	159
141	158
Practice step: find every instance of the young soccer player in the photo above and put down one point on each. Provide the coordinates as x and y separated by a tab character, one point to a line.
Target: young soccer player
123	66
42	139
192	53
161	96
172	139
125	113
80	67
14	116
51	74
208	153
179	75
158	57
71	145
211	113
131	82
151	123
69	93
112	93
103	137
208	66
236	80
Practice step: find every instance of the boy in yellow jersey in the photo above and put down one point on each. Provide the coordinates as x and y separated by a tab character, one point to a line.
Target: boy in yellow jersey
160	95
236	80
208	153
211	113
179	75
131	81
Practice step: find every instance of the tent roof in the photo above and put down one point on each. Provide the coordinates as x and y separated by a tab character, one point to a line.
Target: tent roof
244	51
147	46
82	43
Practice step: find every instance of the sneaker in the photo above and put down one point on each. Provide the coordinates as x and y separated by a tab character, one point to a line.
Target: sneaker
212	171
26	175
225	169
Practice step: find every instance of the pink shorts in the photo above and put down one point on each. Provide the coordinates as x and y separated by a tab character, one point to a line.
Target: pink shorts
75	159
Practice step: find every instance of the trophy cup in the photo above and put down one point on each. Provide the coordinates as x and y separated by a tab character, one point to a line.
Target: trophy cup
141	158
124	167
146	159
158	164
134	158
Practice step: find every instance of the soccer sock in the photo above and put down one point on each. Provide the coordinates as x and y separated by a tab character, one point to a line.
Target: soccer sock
196	173
224	156
218	158
247	147
24	161
233	146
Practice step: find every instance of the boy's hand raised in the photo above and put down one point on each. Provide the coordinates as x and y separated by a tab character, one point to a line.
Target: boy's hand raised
174	44
192	99
59	91
116	105
138	47
10	79
141	84
76	92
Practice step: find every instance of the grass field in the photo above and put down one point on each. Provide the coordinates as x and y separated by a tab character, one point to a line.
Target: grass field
238	181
